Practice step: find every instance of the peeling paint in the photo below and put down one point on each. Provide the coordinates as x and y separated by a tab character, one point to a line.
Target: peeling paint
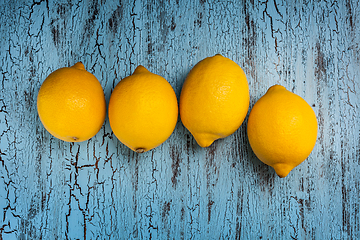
51	189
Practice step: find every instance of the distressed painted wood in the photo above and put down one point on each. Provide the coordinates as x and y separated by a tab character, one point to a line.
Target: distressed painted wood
99	189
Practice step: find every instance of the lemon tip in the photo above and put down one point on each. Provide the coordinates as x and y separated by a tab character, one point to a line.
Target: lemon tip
140	150
140	69
205	140
282	170
79	65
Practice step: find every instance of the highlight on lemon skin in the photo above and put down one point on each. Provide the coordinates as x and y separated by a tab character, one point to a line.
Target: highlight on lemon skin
282	129
143	110
214	99
71	104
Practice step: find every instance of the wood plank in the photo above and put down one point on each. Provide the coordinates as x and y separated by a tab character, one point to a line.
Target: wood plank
99	189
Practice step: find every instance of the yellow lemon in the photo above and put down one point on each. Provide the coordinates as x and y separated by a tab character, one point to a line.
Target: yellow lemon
71	104
143	110
282	129
214	99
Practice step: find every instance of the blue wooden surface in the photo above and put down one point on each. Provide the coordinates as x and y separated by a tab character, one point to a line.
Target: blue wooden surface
99	189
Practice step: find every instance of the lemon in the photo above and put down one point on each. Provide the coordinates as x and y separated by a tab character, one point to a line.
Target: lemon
282	129
71	104
214	99
143	110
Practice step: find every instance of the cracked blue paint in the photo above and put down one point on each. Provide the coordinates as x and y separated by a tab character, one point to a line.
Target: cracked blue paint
99	189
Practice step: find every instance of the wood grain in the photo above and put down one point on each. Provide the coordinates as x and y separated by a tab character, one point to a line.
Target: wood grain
99	189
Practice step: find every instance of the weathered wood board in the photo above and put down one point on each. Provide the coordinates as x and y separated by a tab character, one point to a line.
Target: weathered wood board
99	189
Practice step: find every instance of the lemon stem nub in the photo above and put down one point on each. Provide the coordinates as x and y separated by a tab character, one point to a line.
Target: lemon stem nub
140	150
75	138
79	65
140	69
282	170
